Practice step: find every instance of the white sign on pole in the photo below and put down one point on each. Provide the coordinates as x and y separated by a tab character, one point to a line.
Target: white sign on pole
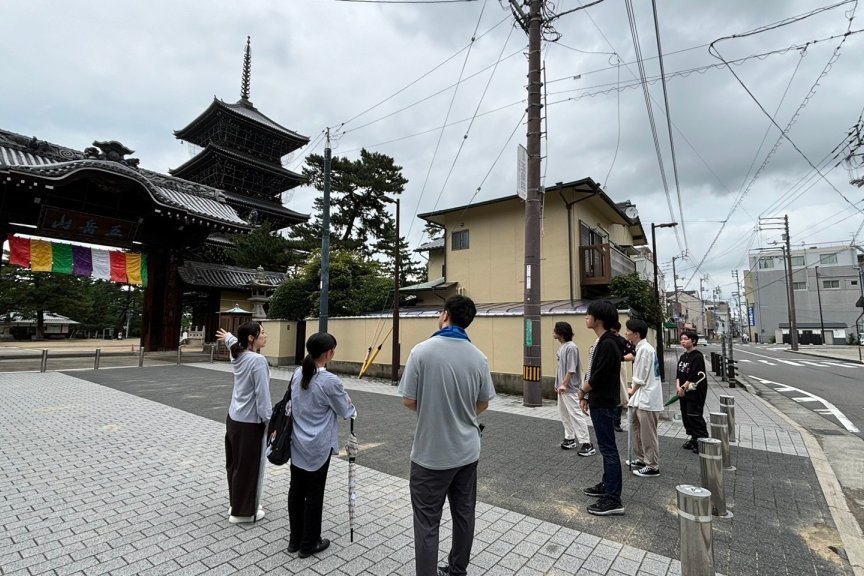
522	172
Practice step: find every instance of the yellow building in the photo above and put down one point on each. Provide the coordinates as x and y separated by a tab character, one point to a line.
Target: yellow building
587	240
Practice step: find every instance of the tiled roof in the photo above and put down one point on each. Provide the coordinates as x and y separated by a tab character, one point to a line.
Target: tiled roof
263	165
22	155
436	244
247	111
208	275
253	114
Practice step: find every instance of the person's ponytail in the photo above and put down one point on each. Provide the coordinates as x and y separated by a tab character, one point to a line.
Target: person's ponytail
317	345
246	330
309	370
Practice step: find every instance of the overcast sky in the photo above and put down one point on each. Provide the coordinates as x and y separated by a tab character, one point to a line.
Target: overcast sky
75	72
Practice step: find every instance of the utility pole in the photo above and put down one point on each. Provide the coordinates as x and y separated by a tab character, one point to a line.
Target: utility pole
821	318
782	224
531	359
660	328
397	272
324	302
702	302
677	305
793	323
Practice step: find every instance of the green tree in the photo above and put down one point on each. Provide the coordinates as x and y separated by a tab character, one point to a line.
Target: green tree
638	295
358	284
360	192
292	300
263	247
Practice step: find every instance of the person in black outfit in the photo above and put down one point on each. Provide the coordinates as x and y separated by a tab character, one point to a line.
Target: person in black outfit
692	402
602	392
628	354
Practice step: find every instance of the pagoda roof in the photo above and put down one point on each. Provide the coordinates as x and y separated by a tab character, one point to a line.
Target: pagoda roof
243	110
265	207
216	150
205	274
32	157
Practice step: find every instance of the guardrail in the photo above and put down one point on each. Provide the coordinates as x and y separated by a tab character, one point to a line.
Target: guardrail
98	355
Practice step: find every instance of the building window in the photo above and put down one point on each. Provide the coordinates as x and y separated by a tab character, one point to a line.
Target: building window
459	240
830	283
799	285
828	259
797	261
766	263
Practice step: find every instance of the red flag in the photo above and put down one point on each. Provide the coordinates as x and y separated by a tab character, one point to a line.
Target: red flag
118	266
19	251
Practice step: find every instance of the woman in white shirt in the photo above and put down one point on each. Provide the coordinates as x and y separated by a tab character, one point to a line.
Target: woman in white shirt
317	399
246	423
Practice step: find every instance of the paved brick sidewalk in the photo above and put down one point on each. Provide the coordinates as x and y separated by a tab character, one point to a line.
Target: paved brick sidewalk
126	500
99	481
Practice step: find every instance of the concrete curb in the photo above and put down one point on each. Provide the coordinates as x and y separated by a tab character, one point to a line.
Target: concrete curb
848	528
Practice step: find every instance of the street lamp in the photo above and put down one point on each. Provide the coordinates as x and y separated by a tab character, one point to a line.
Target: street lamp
660	326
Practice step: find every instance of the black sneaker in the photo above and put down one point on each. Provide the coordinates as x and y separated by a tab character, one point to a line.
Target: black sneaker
598	490
690	444
606	507
586	450
647	472
292	548
637	463
568	444
444	570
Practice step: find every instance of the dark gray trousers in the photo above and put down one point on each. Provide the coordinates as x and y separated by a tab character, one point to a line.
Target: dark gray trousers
428	489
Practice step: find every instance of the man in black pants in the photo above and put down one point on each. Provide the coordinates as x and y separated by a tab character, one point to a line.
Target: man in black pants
691	369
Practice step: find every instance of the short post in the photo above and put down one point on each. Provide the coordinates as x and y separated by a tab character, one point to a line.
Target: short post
720	431
44	365
179	354
732	381
212	351
140	357
96	359
694	527
723	357
711	474
727	406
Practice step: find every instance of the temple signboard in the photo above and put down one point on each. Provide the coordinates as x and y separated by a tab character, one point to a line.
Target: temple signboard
83	227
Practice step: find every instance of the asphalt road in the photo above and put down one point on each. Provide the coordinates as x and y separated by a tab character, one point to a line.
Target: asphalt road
833	389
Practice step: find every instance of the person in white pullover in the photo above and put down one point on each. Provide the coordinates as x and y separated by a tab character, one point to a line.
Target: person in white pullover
646	400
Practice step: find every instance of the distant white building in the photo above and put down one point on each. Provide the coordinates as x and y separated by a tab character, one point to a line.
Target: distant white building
14	324
826	282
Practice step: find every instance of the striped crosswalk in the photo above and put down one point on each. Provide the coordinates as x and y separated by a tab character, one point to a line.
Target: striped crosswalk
801	363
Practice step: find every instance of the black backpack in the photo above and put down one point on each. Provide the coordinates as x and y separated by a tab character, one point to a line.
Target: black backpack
279	431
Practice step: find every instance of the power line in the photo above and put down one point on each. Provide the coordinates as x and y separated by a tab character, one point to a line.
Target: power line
446	117
406	1
634	34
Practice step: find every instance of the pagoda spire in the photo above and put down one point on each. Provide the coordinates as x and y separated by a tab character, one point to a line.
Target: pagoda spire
247	72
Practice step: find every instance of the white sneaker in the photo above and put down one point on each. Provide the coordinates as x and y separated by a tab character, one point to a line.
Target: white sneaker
247	519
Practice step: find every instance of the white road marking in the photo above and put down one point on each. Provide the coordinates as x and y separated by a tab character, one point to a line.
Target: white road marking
841	364
817	364
768	363
784	389
803	398
745	360
829	408
790	362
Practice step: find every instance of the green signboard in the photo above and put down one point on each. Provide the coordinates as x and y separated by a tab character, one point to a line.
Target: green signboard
529	333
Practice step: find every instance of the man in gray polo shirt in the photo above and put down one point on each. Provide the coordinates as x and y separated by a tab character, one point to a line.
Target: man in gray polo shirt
447	382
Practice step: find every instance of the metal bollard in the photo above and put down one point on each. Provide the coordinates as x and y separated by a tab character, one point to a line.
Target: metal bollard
733	382
44	366
718	423
96	359
140	357
694	527
179	354
711	474
212	351
727	406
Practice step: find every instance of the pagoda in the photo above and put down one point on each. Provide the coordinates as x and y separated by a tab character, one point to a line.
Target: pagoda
241	152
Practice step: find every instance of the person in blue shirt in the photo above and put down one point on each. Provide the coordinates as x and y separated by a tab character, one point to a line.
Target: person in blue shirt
317	399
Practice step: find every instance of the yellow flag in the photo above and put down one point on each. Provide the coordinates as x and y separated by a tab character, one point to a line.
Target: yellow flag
41	258
133	268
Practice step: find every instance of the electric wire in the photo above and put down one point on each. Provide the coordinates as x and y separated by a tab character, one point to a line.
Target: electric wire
446	118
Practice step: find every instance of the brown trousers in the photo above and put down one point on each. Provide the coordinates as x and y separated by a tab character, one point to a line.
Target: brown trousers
243	465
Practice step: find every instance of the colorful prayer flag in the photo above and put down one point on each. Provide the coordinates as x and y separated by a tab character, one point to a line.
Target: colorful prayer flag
19	251
40	256
118	267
